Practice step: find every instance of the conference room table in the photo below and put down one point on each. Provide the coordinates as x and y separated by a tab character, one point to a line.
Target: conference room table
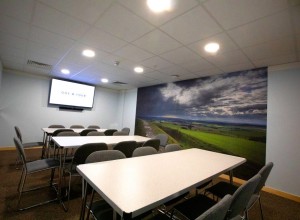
133	186
72	142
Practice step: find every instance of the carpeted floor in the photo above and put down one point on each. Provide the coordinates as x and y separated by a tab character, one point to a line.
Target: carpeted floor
274	207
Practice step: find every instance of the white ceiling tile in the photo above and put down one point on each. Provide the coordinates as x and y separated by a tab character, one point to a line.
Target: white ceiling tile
226	44
276	60
12	52
50	39
21	10
209	72
232	13
271	48
126	25
174	70
181	55
102	40
268	28
196	65
14	27
194	25
238	67
157	42
133	53
12	64
156	63
140	8
55	21
88	11
11	41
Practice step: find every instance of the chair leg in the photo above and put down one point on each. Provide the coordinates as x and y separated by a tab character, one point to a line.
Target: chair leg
261	212
21	187
52	176
18	189
91	202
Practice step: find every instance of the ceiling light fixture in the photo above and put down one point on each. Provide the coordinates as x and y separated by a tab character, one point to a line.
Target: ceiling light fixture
65	71
88	53
212	47
104	80
158	6
139	69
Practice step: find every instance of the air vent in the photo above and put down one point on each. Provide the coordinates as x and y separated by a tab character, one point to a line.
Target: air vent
119	83
39	65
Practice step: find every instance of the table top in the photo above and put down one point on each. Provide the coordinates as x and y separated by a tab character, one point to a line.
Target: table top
77	130
76	141
136	185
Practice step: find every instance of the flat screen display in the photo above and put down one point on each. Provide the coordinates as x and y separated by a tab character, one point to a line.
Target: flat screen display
71	94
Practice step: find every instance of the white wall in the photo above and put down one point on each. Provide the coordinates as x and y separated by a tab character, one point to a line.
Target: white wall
1	70
283	127
24	102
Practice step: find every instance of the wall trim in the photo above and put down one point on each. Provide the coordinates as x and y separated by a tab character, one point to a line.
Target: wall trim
266	189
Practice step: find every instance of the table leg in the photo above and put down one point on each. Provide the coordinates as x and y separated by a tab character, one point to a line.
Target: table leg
83	199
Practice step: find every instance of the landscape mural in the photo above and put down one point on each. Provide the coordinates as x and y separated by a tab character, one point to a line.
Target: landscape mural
225	113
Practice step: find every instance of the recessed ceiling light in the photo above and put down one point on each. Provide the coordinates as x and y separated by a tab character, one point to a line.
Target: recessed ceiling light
139	69
104	80
65	71
158	6
88	53
212	47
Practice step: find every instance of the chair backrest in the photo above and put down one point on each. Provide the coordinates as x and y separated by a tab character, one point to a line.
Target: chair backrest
143	151
264	173
85	150
86	131
242	196
67	133
172	147
163	139
56	126
18	133
126	147
76	126
95	133
56	132
218	211
20	151
126	130
109	132
105	155
120	133
94	126
152	143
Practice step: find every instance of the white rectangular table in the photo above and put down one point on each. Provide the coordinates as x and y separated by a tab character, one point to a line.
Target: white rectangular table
133	186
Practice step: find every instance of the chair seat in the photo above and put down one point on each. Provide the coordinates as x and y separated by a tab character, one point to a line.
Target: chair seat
221	189
43	164
195	206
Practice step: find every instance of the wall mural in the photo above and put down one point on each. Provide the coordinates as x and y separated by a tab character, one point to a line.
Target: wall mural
225	113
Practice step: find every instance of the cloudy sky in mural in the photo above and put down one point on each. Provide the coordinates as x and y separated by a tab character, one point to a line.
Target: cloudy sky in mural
239	97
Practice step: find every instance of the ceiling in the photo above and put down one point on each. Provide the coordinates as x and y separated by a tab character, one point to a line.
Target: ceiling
169	45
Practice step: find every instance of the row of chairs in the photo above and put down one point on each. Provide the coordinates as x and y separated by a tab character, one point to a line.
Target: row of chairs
74	126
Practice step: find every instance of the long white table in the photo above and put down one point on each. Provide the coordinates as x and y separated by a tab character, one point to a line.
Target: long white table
133	186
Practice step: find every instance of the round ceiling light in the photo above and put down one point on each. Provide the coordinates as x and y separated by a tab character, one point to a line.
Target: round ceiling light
139	69
158	6
65	71
88	53
212	47
104	80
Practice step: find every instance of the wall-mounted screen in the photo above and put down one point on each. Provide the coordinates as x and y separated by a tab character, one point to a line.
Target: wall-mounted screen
71	94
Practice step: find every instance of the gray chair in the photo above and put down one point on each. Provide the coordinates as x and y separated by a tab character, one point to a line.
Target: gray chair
110	132
94	126
120	133
126	147
172	147
152	143
222	188
163	138
95	133
143	151
126	130
33	167
196	206
27	145
86	131
80	157
56	126
62	133
77	126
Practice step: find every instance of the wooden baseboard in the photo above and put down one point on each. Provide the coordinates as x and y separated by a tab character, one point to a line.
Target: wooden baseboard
266	189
